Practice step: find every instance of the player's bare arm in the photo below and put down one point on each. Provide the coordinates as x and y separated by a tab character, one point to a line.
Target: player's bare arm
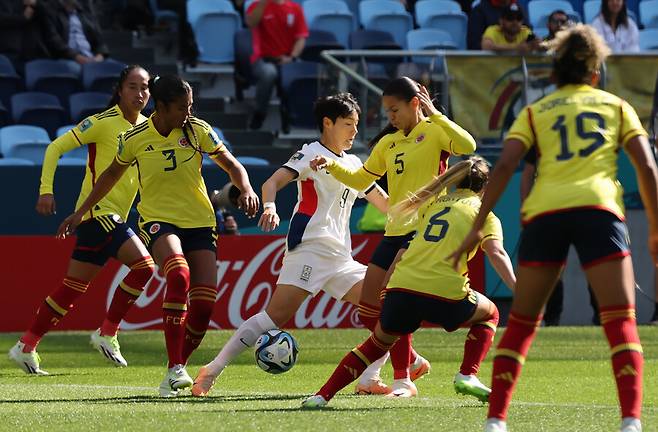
269	220
248	200
379	198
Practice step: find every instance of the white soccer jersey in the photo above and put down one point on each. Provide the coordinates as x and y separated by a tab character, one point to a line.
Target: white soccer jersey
322	213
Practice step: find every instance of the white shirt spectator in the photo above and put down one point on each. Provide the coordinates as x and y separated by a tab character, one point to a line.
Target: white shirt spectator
625	39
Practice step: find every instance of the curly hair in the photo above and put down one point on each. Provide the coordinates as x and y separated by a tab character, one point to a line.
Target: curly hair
578	53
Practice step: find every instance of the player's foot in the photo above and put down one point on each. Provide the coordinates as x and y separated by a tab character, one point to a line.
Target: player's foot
315	401
203	382
403	388
374	386
630	424
108	346
174	381
27	361
495	425
419	368
470	385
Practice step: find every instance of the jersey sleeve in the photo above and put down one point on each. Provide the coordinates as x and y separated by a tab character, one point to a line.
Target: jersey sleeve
490	33
207	138
55	150
87	130
126	153
363	192
492	229
376	162
460	141
299	163
522	129
631	126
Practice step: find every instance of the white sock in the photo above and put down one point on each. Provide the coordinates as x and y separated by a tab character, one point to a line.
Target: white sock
372	371
244	337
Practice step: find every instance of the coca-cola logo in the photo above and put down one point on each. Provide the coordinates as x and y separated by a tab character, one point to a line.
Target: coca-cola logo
245	287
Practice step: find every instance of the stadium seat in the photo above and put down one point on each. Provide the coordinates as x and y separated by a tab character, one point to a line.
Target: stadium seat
82	105
591	9
540	32
163	15
429	39
318	41
16	162
72	161
39	109
253	161
539	10
206	17
11	136
242	73
453	23
30	151
425	9
330	15
63	129
649	39
4	115
386	15
300	82
375	40
10	82
57	77
77	153
649	13
101	76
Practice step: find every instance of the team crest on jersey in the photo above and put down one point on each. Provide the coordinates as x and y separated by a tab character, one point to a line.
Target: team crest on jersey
84	125
183	142
306	273
154	228
419	138
296	156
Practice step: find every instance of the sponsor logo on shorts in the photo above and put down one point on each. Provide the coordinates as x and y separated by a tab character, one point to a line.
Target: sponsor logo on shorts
306	273
154	228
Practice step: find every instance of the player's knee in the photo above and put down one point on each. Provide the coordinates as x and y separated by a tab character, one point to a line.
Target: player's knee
494	317
142	271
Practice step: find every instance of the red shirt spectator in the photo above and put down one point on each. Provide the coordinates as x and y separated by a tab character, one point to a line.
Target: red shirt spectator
279	28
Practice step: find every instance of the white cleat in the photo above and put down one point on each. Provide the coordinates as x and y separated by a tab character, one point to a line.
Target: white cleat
630	424
495	425
315	401
27	361
108	346
403	388
176	379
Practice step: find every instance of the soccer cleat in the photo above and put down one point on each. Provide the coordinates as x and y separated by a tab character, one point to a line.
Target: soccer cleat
315	401
27	361
470	385
108	346
495	425
419	368
374	386
176	379
630	424
403	388
203	383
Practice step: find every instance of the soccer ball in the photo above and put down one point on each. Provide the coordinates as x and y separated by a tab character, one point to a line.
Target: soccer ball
276	351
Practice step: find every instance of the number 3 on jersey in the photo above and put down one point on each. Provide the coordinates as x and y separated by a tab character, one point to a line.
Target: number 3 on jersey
170	155
436	221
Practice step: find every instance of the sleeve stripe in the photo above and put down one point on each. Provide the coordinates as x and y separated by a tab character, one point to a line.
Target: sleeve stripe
76	137
632	134
370	172
367	191
294	171
217	151
118	159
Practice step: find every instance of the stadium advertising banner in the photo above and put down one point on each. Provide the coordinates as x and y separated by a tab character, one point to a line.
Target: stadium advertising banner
247	270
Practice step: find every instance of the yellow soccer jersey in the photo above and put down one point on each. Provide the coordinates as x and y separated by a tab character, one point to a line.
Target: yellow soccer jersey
424	267
169	172
495	33
577	131
99	133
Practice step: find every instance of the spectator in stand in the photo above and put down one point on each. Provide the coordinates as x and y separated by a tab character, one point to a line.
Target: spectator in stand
557	20
226	223
73	32
188	51
485	14
20	31
510	34
618	29
279	33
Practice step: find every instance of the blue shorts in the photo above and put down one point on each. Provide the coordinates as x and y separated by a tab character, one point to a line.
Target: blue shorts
99	239
403	311
597	235
191	239
388	248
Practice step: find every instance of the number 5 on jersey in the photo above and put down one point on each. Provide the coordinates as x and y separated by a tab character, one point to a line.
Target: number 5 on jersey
400	163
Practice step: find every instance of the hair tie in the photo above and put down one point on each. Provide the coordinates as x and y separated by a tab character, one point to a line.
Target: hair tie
156	78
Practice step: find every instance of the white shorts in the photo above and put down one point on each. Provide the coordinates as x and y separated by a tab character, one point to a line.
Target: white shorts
314	272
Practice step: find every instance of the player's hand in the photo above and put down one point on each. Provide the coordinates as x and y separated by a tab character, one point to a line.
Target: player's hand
426	102
249	203
318	163
470	242
68	226
269	220
46	205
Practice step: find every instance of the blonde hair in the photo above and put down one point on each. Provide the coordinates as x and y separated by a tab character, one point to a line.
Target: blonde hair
471	173
578	52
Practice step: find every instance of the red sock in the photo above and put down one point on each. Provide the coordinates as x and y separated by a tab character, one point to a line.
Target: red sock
129	289
202	301
627	362
478	342
353	365
510	356
174	307
401	357
53	309
369	315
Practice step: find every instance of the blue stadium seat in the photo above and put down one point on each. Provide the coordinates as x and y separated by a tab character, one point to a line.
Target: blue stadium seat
72	161
300	82
63	129
429	39
4	115
539	10
77	153
540	32
221	136
649	39
375	40
16	162
30	151
591	9
163	15
649	13
386	15
454	23
10	136
101	76
39	109
206	17
425	9
318	41
10	82
87	103
57	77
253	161
330	15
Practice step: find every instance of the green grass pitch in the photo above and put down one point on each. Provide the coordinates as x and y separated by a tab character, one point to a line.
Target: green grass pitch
566	385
